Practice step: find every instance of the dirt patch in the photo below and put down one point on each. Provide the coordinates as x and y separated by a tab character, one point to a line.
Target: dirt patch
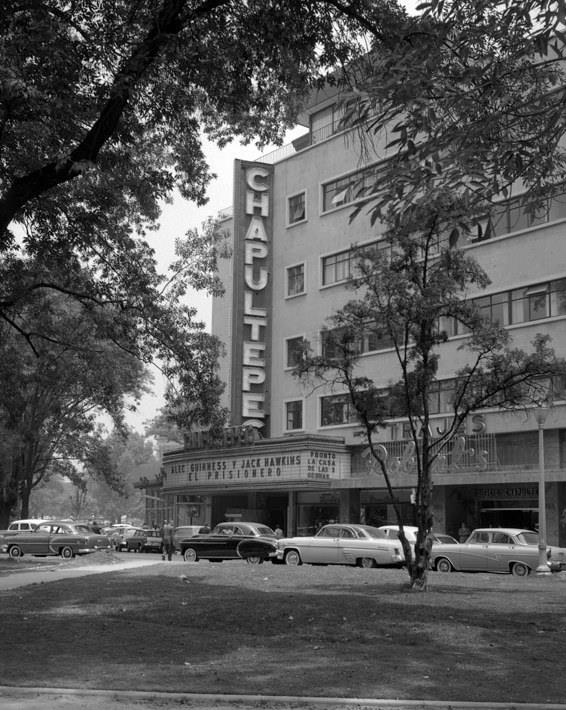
237	628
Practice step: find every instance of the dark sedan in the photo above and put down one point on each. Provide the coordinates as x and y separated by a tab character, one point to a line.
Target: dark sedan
222	543
55	538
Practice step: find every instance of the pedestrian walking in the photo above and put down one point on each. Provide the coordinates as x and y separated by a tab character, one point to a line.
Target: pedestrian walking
167	541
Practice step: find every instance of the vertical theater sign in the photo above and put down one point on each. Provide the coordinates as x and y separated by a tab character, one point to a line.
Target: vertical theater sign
251	327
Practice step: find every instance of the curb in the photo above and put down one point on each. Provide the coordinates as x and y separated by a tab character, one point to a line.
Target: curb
109	699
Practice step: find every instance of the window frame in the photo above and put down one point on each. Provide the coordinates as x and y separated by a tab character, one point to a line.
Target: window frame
302	264
345	184
302	338
352	417
292	222
286	403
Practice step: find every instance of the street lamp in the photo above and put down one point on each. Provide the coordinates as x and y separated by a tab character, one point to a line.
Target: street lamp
541	413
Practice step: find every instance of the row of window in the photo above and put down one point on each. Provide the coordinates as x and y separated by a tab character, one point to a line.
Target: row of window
334	410
506	217
337	409
519	305
339	268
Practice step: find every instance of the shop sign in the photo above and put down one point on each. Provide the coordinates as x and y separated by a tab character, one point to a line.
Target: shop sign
306	465
506	492
461	454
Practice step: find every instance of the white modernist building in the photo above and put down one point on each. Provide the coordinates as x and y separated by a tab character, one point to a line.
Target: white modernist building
292	456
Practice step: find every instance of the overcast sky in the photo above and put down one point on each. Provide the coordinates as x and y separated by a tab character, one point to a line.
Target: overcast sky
181	216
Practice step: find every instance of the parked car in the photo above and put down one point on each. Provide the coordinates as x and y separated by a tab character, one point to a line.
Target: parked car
510	550
443	538
411	534
222	542
116	534
153	541
54	538
184	532
17	526
27	524
340	544
133	540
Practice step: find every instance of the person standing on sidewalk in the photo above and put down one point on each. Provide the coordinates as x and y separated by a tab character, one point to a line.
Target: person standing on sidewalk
167	540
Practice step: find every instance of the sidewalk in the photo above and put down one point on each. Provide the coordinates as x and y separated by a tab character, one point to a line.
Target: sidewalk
16	579
68	699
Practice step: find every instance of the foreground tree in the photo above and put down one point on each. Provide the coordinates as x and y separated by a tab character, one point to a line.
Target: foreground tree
470	99
84	164
409	292
53	393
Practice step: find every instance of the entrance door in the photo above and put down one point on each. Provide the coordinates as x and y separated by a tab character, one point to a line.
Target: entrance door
509	517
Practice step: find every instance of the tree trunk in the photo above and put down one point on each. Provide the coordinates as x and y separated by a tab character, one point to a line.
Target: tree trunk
418	570
8	500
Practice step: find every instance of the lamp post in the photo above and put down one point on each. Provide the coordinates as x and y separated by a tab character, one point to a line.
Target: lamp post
541	413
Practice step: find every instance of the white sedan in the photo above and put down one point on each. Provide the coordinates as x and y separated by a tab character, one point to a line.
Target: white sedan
341	544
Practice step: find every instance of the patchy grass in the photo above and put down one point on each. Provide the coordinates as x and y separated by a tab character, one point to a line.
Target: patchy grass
336	631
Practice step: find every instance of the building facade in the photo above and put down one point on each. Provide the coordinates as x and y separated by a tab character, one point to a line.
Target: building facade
293	455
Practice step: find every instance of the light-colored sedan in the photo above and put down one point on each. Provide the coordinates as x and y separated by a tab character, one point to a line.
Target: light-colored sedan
504	550
341	544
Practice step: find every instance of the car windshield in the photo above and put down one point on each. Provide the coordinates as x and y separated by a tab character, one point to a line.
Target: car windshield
368	531
264	530
527	538
82	529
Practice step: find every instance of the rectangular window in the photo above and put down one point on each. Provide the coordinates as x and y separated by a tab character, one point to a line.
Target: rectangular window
529	304
296	280
295	351
336	410
294	415
499	310
326	122
351	187
337	267
297	208
558	298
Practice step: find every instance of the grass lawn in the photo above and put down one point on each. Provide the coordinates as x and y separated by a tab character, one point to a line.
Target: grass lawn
336	631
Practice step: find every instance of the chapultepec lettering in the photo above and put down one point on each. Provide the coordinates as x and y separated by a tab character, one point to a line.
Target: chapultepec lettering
256	280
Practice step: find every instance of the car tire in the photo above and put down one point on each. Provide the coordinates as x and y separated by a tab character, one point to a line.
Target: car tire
292	557
520	569
254	559
67	553
443	565
367	562
190	555
15	552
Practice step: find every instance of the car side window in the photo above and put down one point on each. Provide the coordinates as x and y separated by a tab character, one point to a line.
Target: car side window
501	539
331	531
346	532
